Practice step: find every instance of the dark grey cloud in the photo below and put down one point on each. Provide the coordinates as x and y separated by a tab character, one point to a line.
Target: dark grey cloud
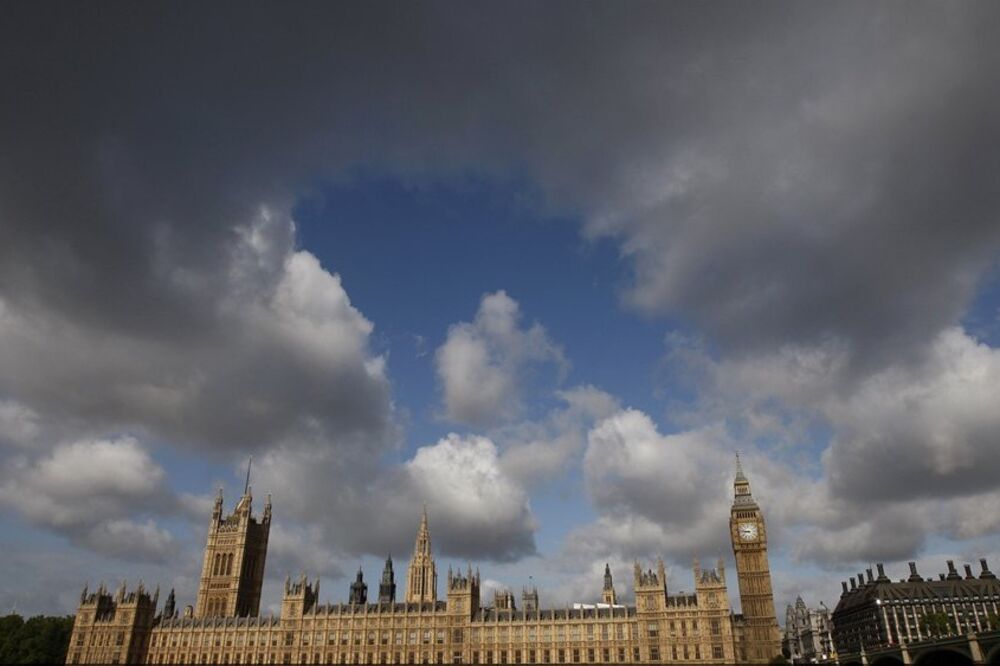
820	176
779	174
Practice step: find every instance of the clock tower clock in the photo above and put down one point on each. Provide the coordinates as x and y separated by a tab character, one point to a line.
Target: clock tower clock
761	641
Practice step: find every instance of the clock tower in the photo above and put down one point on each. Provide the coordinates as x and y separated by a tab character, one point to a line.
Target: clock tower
761	640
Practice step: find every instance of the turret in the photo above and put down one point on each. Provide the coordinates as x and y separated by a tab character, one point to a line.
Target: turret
608	595
300	597
387	588
529	599
359	590
650	587
463	592
169	605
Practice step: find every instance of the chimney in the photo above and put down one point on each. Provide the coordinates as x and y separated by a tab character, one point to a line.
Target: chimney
952	573
914	576
861	579
843	584
870	578
968	572
882	578
940	576
985	573
854	584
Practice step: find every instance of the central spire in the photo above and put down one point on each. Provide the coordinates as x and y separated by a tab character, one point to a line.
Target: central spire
422	546
421	578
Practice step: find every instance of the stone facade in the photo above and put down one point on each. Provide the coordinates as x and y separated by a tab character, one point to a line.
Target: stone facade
808	634
758	625
233	570
697	627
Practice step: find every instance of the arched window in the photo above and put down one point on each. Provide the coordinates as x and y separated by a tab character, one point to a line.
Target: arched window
229	564
218	564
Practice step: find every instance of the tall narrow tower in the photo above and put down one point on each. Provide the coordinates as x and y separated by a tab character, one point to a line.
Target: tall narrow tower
233	571
421	577
387	588
608	595
761	640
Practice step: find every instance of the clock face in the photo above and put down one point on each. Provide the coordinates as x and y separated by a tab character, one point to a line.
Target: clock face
748	531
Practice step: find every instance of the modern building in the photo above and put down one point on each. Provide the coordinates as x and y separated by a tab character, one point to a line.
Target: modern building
808	634
875	612
224	626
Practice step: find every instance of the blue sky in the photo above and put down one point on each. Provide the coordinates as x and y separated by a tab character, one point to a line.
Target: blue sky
545	286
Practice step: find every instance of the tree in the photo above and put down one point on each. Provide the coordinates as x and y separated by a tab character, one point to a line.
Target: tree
937	624
40	640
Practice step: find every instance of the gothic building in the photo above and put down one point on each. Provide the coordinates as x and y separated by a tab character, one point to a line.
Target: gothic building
697	627
808	635
233	570
761	640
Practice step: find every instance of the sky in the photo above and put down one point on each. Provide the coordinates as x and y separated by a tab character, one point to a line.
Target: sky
541	267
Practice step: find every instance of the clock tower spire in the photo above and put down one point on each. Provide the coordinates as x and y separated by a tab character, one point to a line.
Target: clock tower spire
760	638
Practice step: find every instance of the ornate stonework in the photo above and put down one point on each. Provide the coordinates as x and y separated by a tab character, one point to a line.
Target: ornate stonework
761	639
226	628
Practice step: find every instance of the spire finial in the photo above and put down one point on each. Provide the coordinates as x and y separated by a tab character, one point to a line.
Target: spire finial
246	486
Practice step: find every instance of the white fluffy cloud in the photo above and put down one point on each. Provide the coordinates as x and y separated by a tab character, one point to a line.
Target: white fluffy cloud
482	364
88	490
472	498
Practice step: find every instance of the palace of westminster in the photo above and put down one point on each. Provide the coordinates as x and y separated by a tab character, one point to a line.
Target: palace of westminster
225	627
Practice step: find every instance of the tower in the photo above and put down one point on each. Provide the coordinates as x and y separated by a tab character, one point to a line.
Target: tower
299	598
761	640
529	599
112	629
650	588
608	595
421	577
463	592
359	590
387	588
233	570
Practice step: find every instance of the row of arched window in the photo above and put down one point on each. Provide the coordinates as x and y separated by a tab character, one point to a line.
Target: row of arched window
216	607
223	565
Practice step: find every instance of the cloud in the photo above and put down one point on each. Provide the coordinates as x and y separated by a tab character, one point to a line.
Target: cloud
482	364
935	421
479	510
285	352
536	452
19	425
87	491
797	183
476	509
